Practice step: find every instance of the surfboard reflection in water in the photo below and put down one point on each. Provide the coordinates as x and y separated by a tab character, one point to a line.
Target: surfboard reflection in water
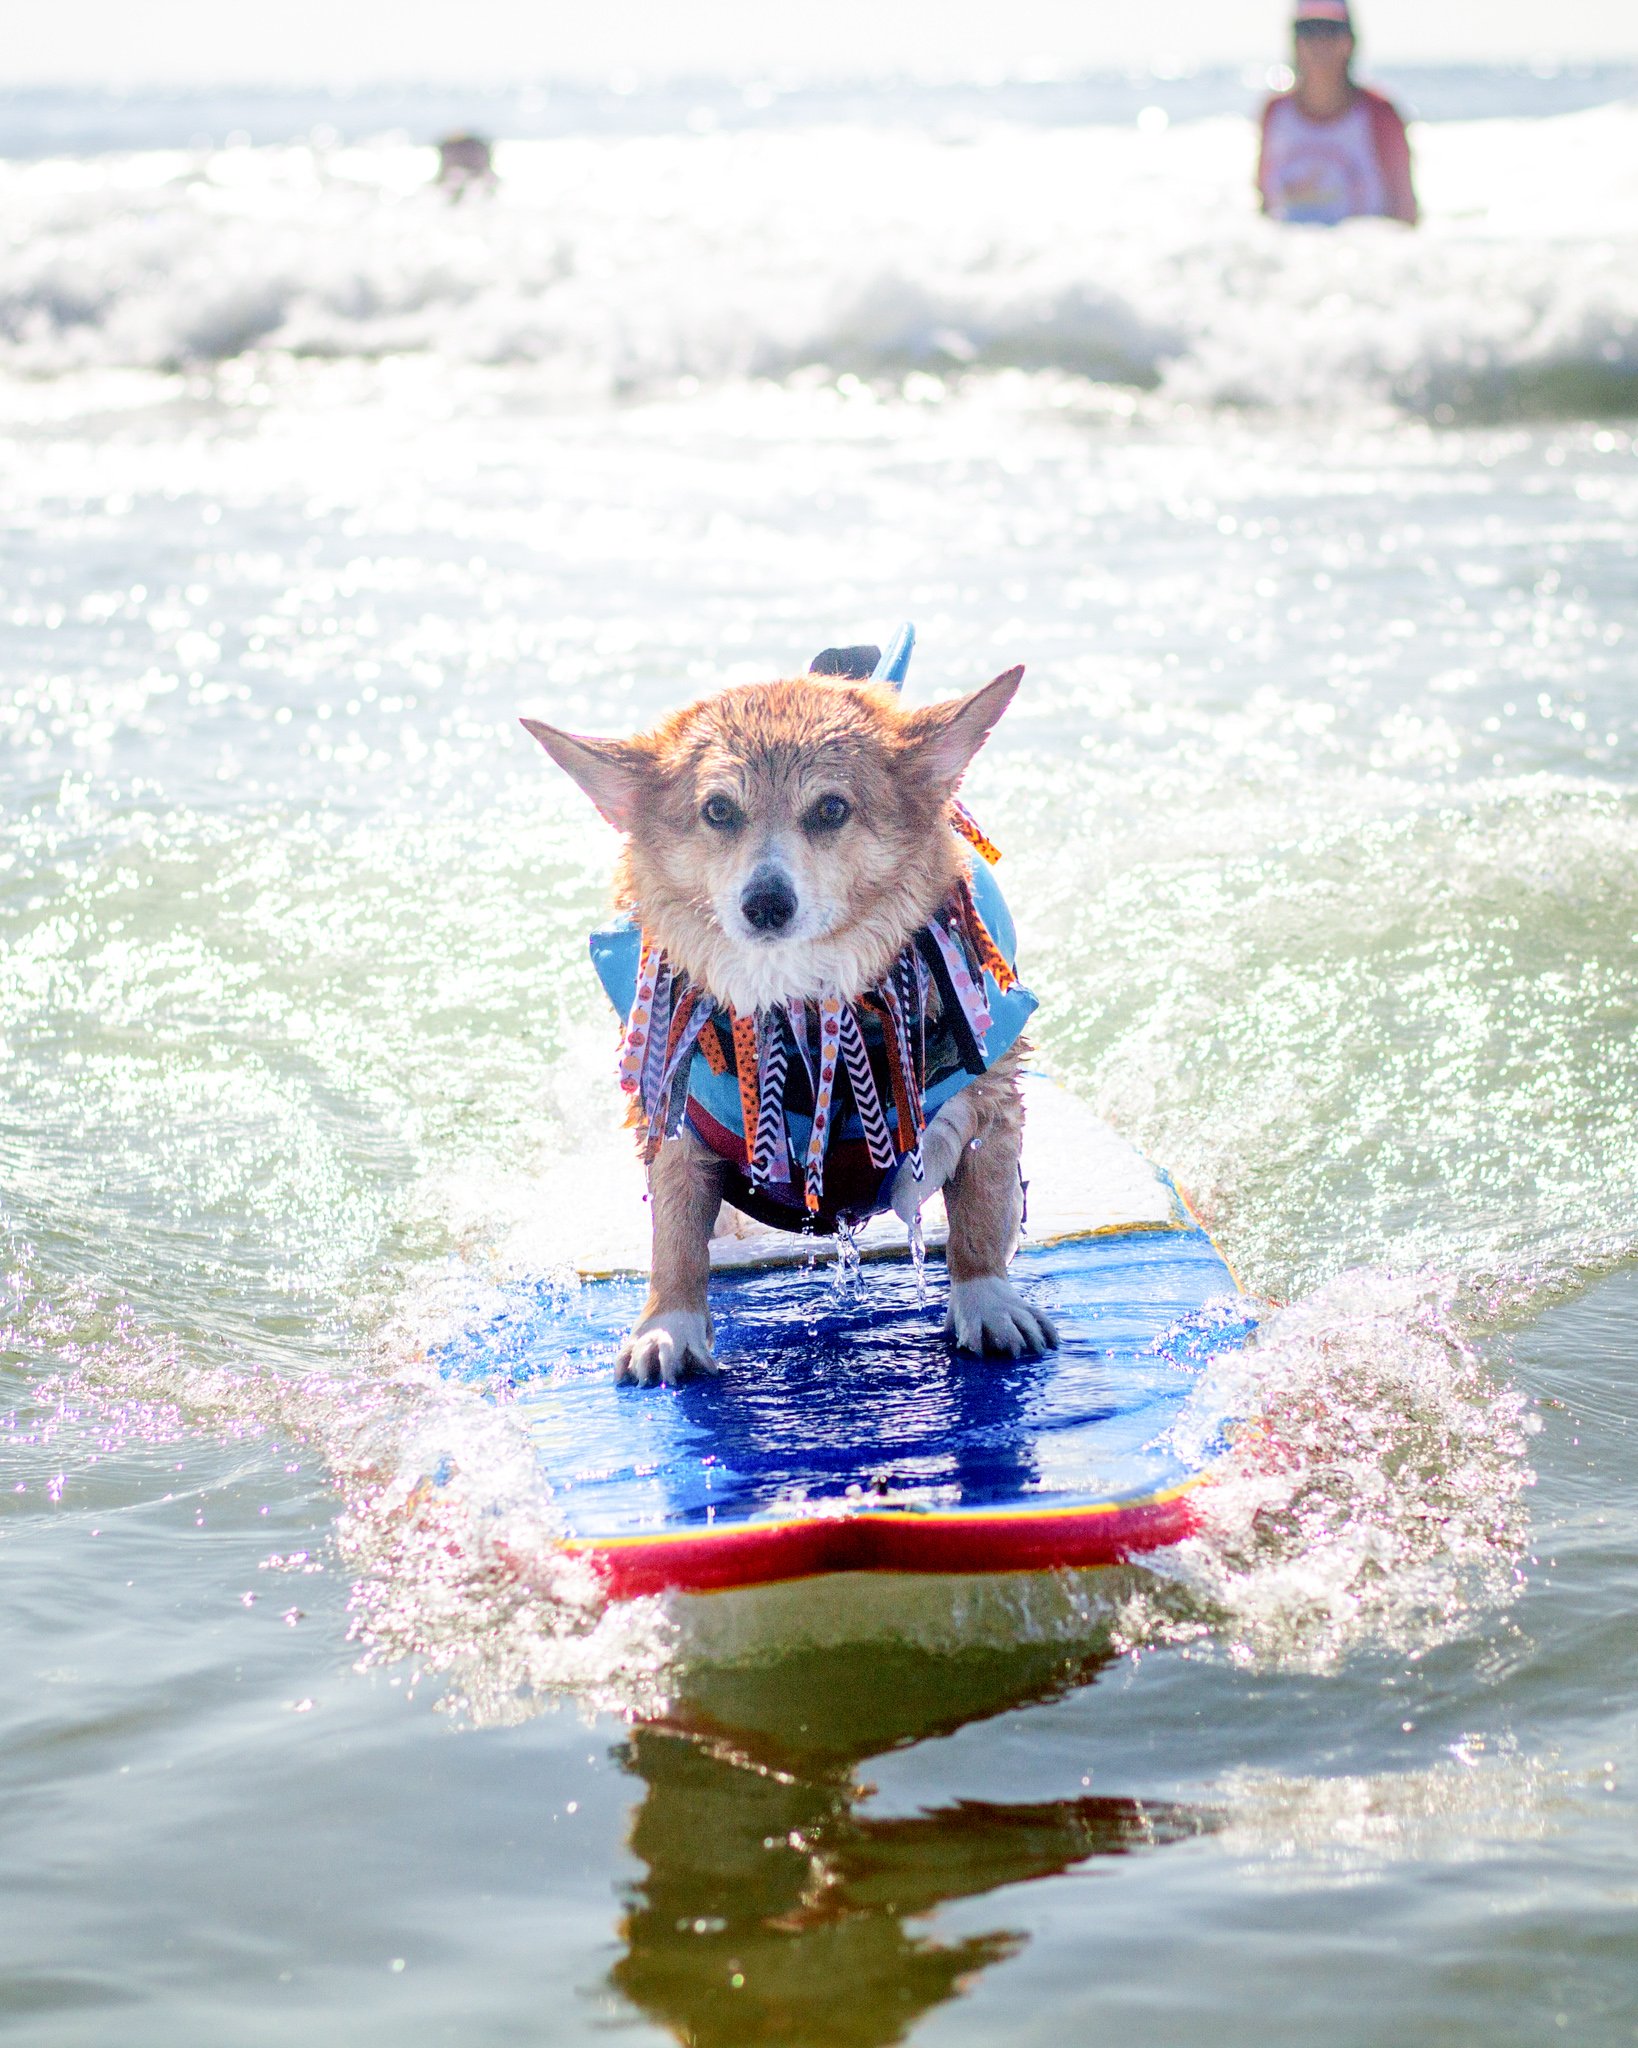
776	1909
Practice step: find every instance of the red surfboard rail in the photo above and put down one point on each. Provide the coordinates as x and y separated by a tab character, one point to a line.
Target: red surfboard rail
961	1541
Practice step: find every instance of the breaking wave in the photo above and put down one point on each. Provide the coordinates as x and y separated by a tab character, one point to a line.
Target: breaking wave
612	264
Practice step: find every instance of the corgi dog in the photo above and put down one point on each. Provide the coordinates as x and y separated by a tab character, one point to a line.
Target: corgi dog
790	859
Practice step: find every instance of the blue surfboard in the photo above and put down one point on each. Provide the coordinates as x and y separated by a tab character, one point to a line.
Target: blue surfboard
846	1435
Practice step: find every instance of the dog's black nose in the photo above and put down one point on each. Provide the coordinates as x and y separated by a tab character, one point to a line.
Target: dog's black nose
769	901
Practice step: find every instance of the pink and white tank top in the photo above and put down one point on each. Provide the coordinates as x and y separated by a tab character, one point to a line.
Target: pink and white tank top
1321	171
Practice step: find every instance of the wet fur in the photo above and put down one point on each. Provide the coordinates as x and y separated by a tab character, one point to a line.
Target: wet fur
772	752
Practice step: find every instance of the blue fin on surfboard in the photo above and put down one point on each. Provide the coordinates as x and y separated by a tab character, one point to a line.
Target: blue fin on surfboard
896	661
868	663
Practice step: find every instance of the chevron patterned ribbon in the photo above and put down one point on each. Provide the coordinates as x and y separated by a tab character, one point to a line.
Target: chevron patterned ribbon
659	1032
865	1098
770	1156
666	1115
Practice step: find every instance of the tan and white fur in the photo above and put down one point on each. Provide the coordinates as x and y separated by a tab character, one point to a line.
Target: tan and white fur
781	840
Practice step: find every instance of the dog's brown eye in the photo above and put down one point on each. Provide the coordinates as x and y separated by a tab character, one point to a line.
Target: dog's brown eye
720	814
828	814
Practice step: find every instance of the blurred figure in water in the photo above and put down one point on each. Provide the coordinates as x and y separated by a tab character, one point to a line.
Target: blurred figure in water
465	162
1331	149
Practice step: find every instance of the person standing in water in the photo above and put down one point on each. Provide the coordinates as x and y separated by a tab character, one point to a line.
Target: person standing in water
1332	150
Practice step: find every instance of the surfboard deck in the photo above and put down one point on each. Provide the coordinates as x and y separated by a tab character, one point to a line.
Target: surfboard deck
844	1434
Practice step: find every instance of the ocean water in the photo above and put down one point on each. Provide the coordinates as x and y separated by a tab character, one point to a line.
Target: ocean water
1320	815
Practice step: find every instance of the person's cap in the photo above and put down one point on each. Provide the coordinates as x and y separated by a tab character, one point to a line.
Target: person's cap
1334	11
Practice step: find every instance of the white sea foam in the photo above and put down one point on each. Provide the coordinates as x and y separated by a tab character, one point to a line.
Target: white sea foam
1130	257
1373	1494
1480	1800
445	1526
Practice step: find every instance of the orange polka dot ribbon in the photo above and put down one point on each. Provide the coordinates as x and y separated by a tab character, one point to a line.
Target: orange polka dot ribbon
963	821
634	1046
977	934
830	1044
745	1062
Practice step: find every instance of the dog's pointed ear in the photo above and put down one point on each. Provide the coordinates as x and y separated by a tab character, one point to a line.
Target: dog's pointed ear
609	771
945	737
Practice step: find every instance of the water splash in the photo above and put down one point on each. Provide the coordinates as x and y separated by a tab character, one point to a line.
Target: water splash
1372	1496
918	1256
1373	1493
848	1269
477	1596
443	1523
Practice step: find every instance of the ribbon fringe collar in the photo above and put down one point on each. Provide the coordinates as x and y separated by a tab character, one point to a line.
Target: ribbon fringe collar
672	1018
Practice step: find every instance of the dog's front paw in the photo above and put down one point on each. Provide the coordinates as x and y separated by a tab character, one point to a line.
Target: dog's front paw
666	1347
991	1317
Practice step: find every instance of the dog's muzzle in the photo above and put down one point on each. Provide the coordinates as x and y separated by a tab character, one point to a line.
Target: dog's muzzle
768	902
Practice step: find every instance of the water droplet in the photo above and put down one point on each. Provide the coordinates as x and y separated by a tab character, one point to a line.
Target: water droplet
845	1281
